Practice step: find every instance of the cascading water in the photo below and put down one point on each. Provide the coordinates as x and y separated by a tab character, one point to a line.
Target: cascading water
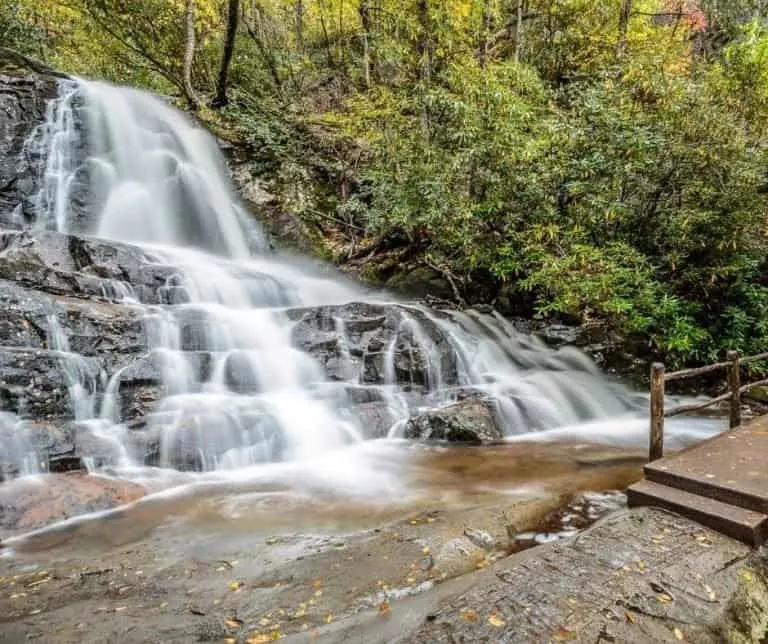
237	390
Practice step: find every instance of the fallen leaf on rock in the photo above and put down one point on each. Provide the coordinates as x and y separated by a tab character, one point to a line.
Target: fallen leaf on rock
494	619
630	618
384	608
257	638
235	585
562	634
329	619
233	623
678	633
469	616
664	598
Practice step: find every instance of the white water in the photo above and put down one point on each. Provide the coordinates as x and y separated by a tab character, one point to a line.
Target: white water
158	181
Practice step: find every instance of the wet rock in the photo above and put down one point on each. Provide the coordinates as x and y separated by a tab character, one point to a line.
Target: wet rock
374	419
639	576
24	98
27	446
468	421
376	344
33	382
27	504
92	328
70	265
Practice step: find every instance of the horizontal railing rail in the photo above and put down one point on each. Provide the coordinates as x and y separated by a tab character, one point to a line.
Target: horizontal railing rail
732	365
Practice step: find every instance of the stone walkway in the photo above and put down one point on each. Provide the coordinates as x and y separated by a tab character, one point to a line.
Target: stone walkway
641	575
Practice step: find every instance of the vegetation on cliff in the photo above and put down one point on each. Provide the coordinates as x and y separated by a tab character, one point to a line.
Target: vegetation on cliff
602	160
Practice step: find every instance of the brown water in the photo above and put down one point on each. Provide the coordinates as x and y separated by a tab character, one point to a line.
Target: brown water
435	479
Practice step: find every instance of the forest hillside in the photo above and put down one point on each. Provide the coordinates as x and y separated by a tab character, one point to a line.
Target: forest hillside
597	161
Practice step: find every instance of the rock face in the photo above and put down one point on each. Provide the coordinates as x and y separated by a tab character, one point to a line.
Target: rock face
23	102
376	344
76	342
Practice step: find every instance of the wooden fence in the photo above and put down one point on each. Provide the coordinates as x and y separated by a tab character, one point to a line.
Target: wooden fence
732	365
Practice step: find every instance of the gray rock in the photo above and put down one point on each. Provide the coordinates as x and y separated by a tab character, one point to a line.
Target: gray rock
467	421
70	265
23	101
363	341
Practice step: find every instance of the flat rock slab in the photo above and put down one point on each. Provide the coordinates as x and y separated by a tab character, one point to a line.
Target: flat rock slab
730	467
640	575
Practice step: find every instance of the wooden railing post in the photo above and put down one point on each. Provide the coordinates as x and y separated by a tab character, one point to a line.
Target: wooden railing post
656	449
734	384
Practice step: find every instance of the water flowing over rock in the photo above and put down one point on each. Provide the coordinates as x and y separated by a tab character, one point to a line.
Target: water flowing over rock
147	327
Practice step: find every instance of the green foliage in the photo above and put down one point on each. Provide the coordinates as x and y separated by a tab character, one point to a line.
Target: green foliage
609	170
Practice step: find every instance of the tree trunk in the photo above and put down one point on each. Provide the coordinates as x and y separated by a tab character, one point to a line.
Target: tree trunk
625	12
326	36
519	31
233	17
189	54
365	21
424	53
257	34
485	29
424	44
300	10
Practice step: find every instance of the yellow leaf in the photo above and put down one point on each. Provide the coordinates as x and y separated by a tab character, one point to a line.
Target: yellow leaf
384	608
678	633
329	619
494	619
318	593
235	585
469	616
630	618
233	623
664	598
257	638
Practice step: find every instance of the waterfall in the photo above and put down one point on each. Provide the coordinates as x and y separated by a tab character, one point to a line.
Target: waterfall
237	389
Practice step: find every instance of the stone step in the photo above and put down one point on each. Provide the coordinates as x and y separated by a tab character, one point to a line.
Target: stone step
742	524
729	468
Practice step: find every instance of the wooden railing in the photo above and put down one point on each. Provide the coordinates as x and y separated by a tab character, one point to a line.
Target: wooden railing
732	365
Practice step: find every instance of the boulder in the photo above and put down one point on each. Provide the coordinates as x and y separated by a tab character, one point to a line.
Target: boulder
28	504
468	421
